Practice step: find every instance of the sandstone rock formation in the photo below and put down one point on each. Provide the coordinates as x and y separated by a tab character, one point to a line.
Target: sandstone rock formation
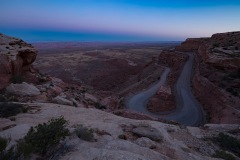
216	82
16	58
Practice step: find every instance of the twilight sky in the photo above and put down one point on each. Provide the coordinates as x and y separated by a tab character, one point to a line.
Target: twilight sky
117	20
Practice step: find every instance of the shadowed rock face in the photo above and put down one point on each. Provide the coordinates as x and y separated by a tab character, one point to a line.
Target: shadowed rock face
216	81
191	44
16	57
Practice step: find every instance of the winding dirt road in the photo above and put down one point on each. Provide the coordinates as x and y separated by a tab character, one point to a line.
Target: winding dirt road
188	110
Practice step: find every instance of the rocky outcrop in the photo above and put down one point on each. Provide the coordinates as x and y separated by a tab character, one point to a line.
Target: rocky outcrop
191	44
164	99
216	79
16	57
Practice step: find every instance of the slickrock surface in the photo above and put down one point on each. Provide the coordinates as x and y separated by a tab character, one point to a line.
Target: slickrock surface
145	140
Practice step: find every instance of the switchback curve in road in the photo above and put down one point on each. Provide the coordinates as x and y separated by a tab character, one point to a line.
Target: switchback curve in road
188	110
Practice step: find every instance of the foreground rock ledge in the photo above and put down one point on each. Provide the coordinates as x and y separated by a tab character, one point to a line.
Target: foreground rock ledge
175	143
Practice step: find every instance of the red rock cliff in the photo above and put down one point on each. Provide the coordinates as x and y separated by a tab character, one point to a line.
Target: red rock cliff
216	81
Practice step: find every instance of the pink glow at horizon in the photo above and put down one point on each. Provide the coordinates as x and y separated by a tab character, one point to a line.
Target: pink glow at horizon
176	22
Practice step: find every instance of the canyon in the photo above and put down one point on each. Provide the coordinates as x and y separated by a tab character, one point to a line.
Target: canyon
92	85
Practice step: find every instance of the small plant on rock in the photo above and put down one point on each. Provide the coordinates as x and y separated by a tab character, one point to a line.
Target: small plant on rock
10	109
4	153
3	144
84	133
228	143
122	136
17	79
223	155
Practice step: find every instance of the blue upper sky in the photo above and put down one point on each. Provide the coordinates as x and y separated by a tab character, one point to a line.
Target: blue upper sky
117	20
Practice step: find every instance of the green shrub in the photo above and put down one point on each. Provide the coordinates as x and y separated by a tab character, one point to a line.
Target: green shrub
233	91
223	155
6	154
84	133
3	144
122	136
38	140
228	143
17	79
10	109
2	98
216	45
23	149
46	135
99	106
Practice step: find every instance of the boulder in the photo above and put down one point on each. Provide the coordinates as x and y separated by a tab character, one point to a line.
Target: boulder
90	97
149	132
145	142
61	100
23	89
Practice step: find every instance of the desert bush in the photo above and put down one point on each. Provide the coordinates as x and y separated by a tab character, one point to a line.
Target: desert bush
4	153
10	109
99	106
223	155
2	98
216	45
17	79
122	136
233	91
228	143
46	135
3	144
38	140
84	133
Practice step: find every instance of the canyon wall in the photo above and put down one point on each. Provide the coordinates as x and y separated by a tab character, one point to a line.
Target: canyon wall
216	81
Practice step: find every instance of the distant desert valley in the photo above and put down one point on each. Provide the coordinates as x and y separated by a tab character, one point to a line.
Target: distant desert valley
133	101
